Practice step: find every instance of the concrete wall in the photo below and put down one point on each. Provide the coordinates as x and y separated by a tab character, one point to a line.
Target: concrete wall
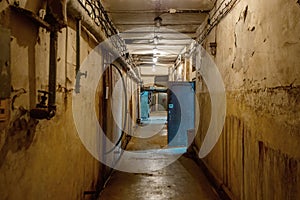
258	48
45	159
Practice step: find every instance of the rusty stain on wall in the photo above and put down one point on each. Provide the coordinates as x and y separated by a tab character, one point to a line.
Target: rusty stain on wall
47	153
281	178
257	155
19	135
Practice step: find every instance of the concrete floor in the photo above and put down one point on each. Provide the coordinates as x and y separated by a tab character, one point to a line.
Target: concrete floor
151	134
181	180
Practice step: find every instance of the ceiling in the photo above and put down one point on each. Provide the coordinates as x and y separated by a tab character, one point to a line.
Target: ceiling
135	21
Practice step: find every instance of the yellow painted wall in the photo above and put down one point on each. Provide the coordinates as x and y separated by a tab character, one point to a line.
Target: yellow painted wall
258	153
45	159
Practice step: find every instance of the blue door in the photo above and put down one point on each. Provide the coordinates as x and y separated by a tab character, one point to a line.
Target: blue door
145	105
181	108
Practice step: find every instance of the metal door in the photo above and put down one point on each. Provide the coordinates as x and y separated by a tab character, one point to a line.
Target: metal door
181	108
145	105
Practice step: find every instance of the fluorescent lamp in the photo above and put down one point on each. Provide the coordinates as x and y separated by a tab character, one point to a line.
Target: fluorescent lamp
153	68
155	50
157	21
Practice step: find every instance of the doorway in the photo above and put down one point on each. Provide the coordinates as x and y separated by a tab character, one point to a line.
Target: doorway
181	108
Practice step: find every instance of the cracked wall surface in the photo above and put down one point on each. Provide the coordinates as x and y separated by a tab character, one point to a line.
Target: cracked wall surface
258	48
45	159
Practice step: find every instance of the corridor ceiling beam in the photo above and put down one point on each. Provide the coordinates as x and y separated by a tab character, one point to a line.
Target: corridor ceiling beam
155	11
180	21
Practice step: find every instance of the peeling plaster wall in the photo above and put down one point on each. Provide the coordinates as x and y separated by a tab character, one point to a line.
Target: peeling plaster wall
258	48
45	159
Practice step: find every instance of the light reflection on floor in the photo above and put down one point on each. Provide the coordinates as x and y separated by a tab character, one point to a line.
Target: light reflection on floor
181	179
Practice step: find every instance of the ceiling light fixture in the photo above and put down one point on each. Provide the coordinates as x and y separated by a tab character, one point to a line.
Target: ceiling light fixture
155	40
157	21
155	59
172	11
213	48
153	68
155	50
